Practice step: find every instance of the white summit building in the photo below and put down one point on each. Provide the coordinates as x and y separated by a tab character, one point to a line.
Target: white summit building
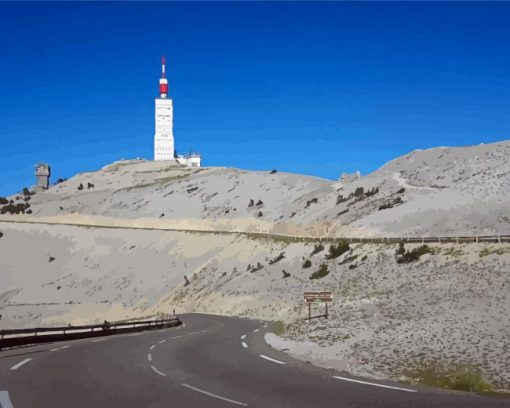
164	148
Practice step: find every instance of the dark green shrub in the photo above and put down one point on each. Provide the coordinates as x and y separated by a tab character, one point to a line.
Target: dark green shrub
277	259
401	250
336	251
359	192
251	203
257	268
312	201
307	264
414	255
320	273
285	274
317	248
4	200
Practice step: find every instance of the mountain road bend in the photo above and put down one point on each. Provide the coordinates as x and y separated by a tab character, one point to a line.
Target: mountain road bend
210	361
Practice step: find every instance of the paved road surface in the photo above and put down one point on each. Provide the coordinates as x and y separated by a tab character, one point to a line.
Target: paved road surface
210	361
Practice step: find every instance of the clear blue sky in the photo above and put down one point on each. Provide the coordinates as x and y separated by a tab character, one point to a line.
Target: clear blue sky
313	88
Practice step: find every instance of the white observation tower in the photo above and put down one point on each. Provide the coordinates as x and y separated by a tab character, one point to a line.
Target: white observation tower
164	134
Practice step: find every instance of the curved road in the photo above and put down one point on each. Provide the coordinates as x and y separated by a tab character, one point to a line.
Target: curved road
210	361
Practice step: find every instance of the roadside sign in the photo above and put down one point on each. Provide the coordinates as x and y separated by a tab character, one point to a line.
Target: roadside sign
318	297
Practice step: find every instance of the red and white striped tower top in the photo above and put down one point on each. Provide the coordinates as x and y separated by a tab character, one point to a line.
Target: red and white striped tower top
163	82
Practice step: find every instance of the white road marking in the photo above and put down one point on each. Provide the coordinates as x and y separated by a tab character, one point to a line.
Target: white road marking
175	337
255	331
210	394
149	356
243	336
98	340
272	359
64	347
265	325
244	344
134	334
21	363
5	401
153	347
157	371
161	341
374	384
55	349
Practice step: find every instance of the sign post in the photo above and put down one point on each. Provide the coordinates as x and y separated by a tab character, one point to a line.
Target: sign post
317	297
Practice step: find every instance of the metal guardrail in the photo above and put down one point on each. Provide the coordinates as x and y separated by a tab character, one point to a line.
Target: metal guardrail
294	238
22	337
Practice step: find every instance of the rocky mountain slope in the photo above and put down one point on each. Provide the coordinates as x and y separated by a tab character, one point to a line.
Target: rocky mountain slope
449	307
441	191
440	306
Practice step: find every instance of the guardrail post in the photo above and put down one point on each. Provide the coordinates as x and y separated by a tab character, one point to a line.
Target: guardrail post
439	239
499	238
476	239
422	240
456	240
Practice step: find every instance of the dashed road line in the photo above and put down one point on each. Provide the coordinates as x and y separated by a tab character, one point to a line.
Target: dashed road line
152	347
64	347
210	394
98	340
134	334
161	341
5	401
157	371
244	344
175	337
374	384
21	363
272	359
243	336
149	356
255	331
56	349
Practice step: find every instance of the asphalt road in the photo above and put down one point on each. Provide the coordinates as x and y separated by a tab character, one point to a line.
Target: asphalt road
210	361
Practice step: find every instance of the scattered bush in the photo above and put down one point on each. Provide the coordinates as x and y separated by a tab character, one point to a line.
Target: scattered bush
26	192
320	273
342	212
336	251
414	255
90	185
252	203
259	203
364	258
278	328
401	191
348	259
353	266
307	264
312	201
391	204
51	258
190	190
3	201
273	171
285	274
401	250
359	192
186	281
60	180
259	214
317	248
80	187
11	208
277	259
1	234
257	268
